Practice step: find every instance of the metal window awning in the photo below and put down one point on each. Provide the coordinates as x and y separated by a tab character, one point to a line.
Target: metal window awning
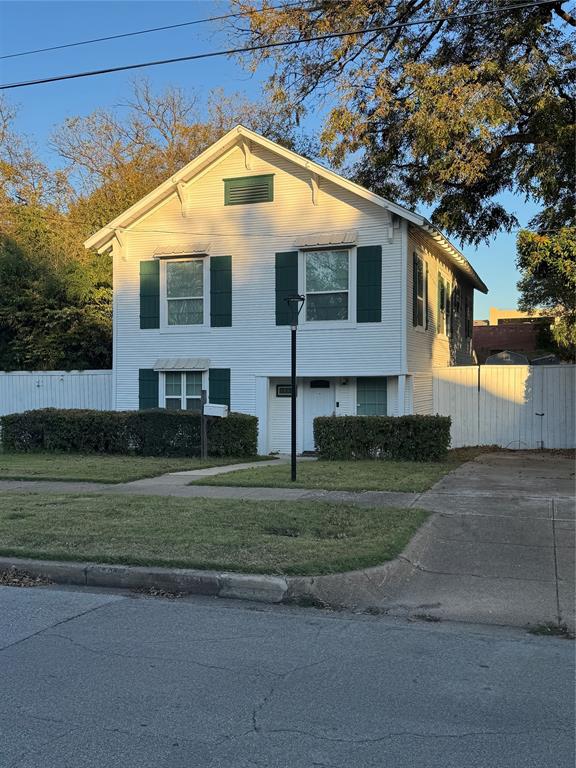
182	364
319	239
192	249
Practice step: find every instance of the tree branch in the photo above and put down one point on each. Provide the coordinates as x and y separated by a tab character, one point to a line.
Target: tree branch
568	18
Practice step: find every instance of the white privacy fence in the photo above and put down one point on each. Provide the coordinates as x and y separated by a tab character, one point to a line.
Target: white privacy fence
27	390
513	406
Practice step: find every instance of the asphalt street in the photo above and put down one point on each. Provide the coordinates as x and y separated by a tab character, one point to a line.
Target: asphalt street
100	679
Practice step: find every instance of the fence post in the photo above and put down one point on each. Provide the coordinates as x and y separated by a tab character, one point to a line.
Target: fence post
203	427
478	408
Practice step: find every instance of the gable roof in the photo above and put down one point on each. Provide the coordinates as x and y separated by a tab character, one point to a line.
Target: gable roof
237	136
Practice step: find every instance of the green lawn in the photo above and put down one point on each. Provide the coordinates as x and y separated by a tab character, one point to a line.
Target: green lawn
408	476
255	537
98	468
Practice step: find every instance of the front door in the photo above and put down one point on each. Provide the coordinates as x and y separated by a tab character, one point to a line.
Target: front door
318	401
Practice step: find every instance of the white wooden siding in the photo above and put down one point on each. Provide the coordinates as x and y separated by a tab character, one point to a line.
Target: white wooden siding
498	405
28	390
254	346
427	348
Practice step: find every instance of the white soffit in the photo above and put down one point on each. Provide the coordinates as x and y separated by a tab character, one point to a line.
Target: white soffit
182	364
317	239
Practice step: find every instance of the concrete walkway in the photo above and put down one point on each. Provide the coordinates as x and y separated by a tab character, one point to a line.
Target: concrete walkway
178	484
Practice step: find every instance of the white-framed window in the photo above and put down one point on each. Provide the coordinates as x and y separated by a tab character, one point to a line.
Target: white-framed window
182	390
184	291
327	285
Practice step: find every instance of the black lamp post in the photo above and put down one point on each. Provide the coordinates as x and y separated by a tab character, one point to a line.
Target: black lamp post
295	303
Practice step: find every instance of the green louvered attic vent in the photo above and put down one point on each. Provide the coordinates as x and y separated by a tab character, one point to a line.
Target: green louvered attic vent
249	189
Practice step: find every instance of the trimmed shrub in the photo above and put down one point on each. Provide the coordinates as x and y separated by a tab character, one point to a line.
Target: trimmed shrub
155	432
407	438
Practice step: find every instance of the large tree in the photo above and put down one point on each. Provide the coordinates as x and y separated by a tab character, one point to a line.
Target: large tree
450	114
547	263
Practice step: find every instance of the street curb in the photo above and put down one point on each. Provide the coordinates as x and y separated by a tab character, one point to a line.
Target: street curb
262	588
335	590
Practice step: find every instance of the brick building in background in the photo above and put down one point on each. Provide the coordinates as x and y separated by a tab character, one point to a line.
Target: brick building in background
512	331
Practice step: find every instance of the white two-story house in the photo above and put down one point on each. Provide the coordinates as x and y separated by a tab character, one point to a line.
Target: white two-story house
203	265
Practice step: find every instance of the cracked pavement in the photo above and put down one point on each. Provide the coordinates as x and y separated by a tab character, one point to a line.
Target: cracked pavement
106	680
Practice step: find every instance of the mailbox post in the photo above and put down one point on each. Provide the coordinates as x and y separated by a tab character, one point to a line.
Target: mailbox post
208	409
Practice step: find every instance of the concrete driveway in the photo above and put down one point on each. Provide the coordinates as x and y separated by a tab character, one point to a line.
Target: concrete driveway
499	548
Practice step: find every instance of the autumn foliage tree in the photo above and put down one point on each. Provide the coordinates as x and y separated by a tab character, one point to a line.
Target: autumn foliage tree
451	114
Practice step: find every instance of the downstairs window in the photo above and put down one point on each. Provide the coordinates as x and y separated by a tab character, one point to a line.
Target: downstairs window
183	390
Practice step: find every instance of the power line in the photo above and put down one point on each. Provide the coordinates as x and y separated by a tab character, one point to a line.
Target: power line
279	44
150	30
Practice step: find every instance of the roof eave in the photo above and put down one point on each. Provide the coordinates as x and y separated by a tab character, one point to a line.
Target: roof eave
455	255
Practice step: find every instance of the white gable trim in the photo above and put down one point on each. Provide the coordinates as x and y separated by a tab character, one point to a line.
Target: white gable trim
243	138
236	136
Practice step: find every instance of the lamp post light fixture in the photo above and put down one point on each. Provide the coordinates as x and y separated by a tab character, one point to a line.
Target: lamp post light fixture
295	303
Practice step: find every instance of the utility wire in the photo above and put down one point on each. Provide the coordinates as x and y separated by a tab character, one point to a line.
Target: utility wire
156	29
291	235
279	44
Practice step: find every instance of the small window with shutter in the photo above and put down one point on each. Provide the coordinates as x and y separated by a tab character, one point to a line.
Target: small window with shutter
249	189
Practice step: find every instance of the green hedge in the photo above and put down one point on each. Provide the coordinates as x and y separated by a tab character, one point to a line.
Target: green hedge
155	432
408	438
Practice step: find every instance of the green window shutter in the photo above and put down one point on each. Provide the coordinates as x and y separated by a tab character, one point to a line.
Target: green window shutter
426	295
150	294
220	291
219	386
147	388
249	189
440	308
369	284
286	284
414	289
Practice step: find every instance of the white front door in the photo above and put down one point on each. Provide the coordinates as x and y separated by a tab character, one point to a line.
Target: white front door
318	401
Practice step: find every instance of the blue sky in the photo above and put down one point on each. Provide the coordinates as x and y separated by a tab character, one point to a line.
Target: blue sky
27	24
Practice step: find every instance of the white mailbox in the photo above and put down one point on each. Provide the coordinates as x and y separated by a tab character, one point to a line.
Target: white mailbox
214	409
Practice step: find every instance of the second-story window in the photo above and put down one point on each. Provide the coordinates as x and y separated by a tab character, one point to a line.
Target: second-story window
327	285
185	292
